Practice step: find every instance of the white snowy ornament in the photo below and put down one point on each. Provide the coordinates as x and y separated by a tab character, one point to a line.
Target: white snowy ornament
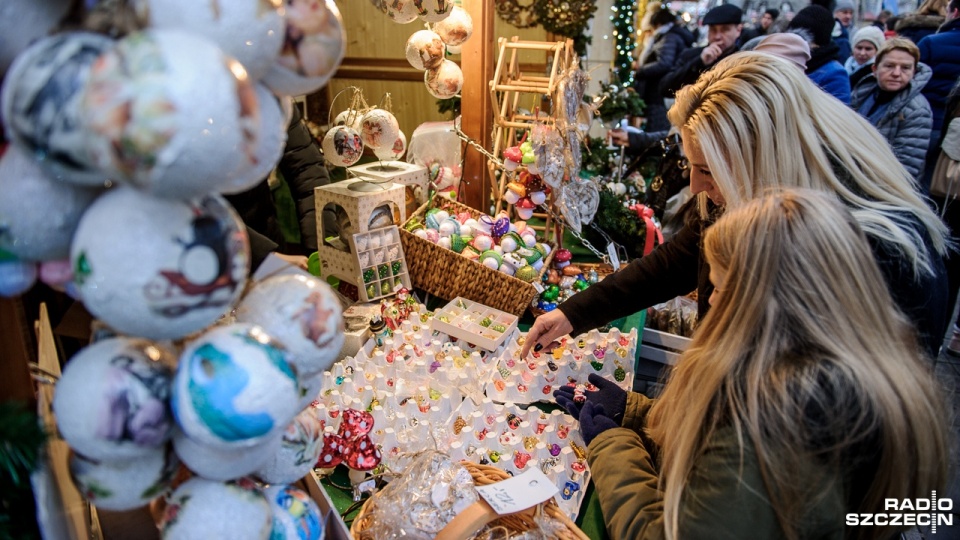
424	50
444	82
456	29
298	452
402	11
124	484
202	508
394	152
215	463
379	128
23	22
342	146
313	49
271	140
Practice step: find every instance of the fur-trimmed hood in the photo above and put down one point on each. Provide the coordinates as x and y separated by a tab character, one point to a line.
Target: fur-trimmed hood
919	21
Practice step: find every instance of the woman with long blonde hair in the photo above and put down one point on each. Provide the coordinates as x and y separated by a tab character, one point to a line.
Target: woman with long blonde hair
756	122
802	399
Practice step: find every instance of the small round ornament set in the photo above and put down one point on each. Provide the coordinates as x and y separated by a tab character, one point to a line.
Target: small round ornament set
449	27
562	281
362	125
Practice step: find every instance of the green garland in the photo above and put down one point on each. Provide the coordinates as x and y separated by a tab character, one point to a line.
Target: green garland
21	439
623	17
620	102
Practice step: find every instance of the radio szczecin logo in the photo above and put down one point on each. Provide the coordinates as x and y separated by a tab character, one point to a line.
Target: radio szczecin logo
908	512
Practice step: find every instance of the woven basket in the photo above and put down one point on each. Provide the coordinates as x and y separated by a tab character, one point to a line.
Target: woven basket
603	270
484	475
447	274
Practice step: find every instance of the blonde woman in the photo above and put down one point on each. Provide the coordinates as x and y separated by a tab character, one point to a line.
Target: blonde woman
802	399
754	122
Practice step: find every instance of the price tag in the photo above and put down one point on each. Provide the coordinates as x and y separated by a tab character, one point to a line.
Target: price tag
614	258
518	493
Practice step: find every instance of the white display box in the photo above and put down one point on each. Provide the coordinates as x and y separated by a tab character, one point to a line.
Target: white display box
474	323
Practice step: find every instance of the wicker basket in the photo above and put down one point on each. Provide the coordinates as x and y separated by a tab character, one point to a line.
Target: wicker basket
447	274
515	523
603	270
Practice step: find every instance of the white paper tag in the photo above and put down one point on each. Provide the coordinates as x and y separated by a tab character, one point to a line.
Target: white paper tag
538	287
519	493
614	259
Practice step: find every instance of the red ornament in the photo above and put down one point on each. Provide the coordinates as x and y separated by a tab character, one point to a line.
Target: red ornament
352	444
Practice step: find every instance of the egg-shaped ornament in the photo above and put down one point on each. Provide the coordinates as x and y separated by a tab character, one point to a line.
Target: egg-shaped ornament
298	452
215	463
251	31
38	215
112	400
159	268
23	22
202	508
314	45
41	104
402	11
379	128
444	82
394	152
124	484
303	313
295	514
167	111
456	29
425	50
271	141
433	11
234	387
342	146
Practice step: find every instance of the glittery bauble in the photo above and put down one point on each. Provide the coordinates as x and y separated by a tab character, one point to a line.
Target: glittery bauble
526	273
379	129
313	50
432	11
455	29
342	146
445	81
425	50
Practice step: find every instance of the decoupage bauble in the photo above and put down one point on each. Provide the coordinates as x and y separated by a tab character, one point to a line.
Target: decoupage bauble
16	276
342	146
445	81
112	400
215	463
202	508
381	217
379	128
295	514
394	152
22	22
234	387
152	119
432	11
454	49
252	31
271	140
298	452
41	104
313	49
38	215
402	11
349	117
124	484
159	268
303	313
425	50
456	29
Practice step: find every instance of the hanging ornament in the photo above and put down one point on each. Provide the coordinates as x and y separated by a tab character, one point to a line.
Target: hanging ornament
342	146
456	29
379	128
313	50
549	153
425	50
394	152
433	11
401	11
444	82
519	13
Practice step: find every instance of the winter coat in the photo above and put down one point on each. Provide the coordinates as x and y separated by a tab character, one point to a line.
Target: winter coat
824	70
905	121
841	36
667	48
688	70
677	267
941	52
916	27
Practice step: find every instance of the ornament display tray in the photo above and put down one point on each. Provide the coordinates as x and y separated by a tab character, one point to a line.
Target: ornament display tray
382	264
474	323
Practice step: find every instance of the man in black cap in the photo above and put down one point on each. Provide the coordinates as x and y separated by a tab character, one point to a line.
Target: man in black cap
724	25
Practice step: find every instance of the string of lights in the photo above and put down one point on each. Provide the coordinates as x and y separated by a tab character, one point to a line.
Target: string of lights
623	13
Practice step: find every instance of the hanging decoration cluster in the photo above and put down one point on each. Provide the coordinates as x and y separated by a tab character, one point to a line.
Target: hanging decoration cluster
567	18
623	16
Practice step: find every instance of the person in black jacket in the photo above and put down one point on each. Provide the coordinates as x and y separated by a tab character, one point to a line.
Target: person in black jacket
764	28
669	42
302	167
724	26
733	123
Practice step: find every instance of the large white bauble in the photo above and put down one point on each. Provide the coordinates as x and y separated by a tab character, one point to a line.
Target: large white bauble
303	313
351	115
16	276
433	11
271	140
38	215
167	111
315	44
234	387
379	128
298	452
424	50
22	22
295	514
342	146
215	463
402	11
252	31
394	152
112	400
202	509
456	29
41	103
124	484
159	268
444	82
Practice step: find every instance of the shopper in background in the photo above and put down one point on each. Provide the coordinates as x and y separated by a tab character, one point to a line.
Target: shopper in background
724	26
764	28
823	67
890	99
881	20
802	399
924	21
656	60
843	19
941	52
735	123
866	43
